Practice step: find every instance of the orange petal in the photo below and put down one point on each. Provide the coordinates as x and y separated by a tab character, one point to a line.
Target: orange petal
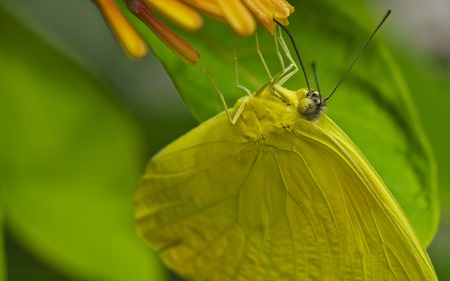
280	8
283	21
238	17
178	13
129	39
262	13
209	8
287	5
276	7
178	45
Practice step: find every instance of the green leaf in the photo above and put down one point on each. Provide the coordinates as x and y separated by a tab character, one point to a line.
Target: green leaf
373	106
2	236
431	91
70	158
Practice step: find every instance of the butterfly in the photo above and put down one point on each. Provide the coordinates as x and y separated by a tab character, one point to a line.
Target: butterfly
278	193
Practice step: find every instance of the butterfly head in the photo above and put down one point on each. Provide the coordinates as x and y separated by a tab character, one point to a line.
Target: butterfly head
311	104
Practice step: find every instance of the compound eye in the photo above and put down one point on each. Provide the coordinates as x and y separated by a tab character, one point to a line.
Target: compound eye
314	95
307	107
311	106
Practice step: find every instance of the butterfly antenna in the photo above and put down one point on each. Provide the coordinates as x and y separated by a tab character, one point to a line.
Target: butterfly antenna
359	53
297	52
313	66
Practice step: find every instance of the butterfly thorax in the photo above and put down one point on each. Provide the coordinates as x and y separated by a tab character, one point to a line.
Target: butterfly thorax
278	107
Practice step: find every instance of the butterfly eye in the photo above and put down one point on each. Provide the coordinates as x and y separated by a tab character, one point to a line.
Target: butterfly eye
312	105
307	107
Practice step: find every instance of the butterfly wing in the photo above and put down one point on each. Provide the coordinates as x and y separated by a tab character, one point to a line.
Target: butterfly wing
301	204
187	202
352	211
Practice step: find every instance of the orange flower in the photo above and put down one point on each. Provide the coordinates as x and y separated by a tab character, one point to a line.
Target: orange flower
172	40
239	14
127	36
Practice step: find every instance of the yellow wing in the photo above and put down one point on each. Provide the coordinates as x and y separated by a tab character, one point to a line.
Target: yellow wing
274	200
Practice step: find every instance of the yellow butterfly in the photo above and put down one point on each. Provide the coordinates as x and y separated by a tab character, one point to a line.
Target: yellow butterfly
279	193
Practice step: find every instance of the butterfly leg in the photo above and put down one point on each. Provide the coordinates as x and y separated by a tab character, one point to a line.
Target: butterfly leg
273	79
218	92
236	72
258	50
277	48
293	65
233	119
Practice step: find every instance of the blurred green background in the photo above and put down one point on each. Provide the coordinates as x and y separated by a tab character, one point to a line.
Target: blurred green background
83	119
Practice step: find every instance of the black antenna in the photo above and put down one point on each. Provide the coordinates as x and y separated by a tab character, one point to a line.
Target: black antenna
313	66
297	52
359	53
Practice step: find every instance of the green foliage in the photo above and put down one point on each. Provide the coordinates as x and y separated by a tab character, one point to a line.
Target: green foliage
70	157
431	92
2	246
373	106
70	154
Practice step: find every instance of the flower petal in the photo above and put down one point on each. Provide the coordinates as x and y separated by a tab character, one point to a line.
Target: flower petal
287	5
238	17
177	44
276	7
178	13
129	39
262	13
209	7
283	21
279	8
